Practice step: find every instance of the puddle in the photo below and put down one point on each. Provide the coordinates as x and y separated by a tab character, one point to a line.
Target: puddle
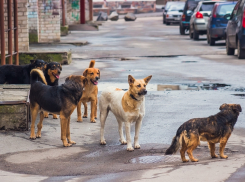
154	159
188	61
240	95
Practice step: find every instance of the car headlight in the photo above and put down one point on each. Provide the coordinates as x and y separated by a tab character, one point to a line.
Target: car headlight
168	15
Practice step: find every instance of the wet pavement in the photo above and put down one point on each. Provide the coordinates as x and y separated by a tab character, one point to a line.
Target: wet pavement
190	79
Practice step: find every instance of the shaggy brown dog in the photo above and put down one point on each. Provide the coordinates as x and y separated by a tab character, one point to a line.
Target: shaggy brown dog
214	129
60	100
90	93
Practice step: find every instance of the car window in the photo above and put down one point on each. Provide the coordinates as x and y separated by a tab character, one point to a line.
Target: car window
240	8
225	9
207	7
191	5
176	7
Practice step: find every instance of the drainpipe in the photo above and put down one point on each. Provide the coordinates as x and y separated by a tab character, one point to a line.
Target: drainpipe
82	11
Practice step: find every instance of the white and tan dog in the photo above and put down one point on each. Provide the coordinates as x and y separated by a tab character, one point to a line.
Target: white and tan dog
128	107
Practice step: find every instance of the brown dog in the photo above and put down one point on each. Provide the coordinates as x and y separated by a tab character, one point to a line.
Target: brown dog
213	129
90	93
60	100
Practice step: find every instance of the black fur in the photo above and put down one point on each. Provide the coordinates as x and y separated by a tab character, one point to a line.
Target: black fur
13	74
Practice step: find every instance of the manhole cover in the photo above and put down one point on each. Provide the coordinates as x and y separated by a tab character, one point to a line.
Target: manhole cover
153	159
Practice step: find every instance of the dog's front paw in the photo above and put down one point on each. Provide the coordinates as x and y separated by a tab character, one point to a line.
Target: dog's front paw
55	116
194	160
93	121
223	156
214	156
137	146
38	135
33	137
185	160
65	144
102	142
79	119
130	149
85	116
123	142
71	142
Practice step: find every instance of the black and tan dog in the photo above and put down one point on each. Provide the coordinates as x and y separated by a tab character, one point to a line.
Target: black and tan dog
52	75
13	74
214	129
60	100
90	93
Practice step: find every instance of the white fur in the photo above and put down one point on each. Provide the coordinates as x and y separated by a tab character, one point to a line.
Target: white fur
111	99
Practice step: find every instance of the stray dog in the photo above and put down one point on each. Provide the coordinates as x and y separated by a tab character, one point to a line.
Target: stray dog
52	75
60	100
90	93
13	74
214	129
128	107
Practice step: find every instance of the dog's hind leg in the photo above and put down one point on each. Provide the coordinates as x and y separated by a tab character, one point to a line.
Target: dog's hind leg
55	116
95	114
68	134
212	149
137	131
79	112
40	125
34	112
63	123
120	130
128	136
103	115
85	114
183	150
192	144
45	114
222	144
93	110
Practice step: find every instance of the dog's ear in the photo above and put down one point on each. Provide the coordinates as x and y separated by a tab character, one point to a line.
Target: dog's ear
32	61
68	78
237	107
147	79
222	106
85	73
85	81
131	79
45	66
99	73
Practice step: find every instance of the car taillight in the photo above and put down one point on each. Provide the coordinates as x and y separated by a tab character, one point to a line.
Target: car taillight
167	15
214	10
243	19
183	17
199	15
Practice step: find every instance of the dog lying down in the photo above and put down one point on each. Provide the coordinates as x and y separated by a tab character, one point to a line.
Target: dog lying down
128	107
60	100
213	129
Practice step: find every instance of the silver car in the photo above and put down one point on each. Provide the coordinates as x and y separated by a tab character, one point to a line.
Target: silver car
166	8
174	13
199	19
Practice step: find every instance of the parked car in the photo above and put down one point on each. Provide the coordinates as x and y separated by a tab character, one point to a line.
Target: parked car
199	19
235	31
218	21
167	6
174	13
189	8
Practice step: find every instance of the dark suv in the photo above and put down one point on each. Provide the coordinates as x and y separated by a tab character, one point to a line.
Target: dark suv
235	31
189	8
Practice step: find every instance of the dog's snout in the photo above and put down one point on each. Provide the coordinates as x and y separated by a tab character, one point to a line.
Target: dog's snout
144	92
58	71
97	78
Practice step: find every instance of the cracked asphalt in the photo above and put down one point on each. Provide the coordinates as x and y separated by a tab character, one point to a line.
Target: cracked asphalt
141	48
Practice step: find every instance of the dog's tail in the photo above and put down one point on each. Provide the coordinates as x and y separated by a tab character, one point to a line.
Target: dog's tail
92	63
37	75
176	142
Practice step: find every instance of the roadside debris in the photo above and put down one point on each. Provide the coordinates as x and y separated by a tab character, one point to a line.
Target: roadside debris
102	16
130	17
114	16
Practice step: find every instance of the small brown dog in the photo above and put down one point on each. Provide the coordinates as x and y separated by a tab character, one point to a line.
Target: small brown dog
90	93
213	129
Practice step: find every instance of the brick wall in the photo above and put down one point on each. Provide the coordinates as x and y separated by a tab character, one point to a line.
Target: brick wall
49	20
22	26
33	16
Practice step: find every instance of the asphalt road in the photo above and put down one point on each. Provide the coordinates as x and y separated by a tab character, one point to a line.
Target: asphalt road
141	48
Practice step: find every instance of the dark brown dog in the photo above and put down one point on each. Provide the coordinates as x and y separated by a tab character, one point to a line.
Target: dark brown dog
90	93
52	75
60	100
214	129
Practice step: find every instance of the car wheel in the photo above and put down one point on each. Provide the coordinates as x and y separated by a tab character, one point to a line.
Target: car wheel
181	30
190	33
195	34
240	51
229	51
167	23
211	41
